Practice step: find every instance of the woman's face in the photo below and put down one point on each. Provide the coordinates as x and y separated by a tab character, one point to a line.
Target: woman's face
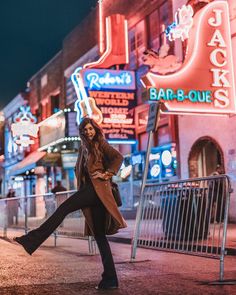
89	131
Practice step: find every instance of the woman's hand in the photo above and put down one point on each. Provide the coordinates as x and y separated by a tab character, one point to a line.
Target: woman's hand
100	175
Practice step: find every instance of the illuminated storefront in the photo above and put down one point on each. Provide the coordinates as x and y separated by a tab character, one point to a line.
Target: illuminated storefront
209	56
60	141
14	153
203	88
189	68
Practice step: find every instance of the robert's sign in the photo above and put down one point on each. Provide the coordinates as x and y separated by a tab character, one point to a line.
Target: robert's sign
96	79
109	97
205	83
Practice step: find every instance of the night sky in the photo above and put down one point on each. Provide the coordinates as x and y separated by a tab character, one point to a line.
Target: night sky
31	33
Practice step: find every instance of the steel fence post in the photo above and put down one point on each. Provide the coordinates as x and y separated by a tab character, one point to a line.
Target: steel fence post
153	120
140	207
26	215
5	220
55	206
228	191
91	245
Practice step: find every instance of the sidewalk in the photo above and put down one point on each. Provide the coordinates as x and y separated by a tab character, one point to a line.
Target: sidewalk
68	270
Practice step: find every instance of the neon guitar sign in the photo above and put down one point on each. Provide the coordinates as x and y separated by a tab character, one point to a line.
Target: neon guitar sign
85	105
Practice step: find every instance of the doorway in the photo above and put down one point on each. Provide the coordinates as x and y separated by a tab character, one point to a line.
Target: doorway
204	157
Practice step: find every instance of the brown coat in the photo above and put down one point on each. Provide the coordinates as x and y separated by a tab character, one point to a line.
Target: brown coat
112	163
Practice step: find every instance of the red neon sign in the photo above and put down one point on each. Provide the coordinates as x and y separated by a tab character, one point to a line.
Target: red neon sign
118	113
117	51
205	83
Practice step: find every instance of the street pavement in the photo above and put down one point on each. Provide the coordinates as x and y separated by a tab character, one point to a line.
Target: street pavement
68	269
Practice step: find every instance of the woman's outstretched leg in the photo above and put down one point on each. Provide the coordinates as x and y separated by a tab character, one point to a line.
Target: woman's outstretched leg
83	198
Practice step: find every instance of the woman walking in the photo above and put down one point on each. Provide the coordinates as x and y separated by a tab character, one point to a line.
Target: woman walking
97	162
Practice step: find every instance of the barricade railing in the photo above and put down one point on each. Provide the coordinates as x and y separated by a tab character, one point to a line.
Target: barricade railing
27	213
188	216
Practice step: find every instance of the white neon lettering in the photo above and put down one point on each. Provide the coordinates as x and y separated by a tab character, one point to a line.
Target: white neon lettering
217	38
96	81
215	61
217	21
218	59
221	98
219	78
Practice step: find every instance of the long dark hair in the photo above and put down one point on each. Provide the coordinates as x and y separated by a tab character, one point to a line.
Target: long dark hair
93	146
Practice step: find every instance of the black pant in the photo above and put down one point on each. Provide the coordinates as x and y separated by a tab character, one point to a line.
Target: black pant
85	197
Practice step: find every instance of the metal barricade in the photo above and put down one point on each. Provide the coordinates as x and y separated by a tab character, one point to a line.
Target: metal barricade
27	213
188	216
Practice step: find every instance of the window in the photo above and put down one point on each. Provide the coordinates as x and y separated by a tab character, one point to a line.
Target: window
154	30
158	20
44	80
148	33
137	42
164	134
55	103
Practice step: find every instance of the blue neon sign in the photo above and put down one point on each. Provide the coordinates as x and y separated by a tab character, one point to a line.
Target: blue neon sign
98	79
168	94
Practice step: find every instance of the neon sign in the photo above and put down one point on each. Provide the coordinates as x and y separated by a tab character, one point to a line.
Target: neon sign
205	83
155	170
24	127
162	161
117	51
84	105
182	25
24	141
113	110
169	94
24	115
166	158
96	79
118	113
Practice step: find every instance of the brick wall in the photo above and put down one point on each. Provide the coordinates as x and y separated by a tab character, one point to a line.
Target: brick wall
52	72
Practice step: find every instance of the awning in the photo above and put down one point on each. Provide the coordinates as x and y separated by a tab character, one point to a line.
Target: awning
27	163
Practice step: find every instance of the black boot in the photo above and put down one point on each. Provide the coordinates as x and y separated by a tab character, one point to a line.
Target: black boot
109	276
23	242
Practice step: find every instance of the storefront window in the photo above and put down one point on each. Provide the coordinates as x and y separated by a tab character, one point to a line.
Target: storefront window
164	135
148	33
137	43
164	14
154	30
55	103
143	139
